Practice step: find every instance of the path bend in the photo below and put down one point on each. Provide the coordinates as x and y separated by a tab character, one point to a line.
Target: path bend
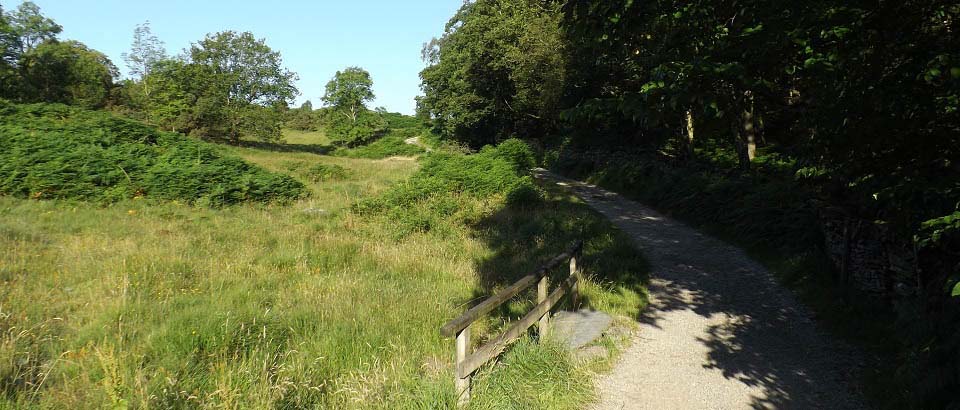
720	332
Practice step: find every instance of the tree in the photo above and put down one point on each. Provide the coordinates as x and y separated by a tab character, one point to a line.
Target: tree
185	98
251	77
303	118
497	71
349	91
348	121
365	127
146	51
32	27
9	53
66	72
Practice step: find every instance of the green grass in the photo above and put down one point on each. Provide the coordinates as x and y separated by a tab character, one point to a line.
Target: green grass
385	147
296	137
141	304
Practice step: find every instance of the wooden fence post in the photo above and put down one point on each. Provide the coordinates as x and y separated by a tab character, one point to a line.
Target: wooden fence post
575	272
542	292
463	384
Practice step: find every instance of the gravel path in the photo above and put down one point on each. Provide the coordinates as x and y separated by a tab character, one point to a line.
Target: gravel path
720	332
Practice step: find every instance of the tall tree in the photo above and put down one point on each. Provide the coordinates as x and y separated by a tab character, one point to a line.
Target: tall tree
145	52
497	72
32	27
9	53
349	91
348	119
67	72
252	77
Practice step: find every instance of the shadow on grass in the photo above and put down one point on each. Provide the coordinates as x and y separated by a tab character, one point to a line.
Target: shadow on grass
523	238
317	149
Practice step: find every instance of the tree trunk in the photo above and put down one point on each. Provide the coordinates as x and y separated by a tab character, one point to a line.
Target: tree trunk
689	136
747	133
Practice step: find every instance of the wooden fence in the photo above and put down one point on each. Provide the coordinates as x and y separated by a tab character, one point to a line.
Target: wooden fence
467	361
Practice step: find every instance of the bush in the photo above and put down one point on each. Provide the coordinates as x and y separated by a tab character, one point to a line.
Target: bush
53	151
343	131
517	153
325	172
388	146
420	203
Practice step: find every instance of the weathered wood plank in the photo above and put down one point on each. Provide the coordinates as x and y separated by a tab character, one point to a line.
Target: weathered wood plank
470	316
463	382
543	290
496	346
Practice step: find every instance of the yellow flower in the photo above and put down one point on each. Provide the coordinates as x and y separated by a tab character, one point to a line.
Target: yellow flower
132	212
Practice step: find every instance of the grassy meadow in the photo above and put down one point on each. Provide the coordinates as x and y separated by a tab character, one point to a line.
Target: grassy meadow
309	304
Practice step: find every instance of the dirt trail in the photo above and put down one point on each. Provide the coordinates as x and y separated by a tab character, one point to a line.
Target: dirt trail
720	332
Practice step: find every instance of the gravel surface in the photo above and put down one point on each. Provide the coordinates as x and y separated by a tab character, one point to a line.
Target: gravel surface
720	332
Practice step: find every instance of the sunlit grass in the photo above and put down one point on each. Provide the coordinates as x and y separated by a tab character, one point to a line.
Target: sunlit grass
305	137
163	305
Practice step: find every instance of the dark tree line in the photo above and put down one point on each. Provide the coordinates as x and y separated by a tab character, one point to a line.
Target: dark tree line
862	95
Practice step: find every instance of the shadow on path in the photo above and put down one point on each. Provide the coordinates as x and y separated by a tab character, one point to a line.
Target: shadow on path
719	332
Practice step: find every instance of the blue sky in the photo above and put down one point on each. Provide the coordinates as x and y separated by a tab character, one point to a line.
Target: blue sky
316	38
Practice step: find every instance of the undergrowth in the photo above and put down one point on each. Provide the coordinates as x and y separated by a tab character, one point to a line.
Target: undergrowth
440	192
53	151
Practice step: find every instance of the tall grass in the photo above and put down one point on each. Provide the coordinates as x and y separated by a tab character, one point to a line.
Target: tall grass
141	304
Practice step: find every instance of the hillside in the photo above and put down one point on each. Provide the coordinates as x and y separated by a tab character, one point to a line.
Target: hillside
54	151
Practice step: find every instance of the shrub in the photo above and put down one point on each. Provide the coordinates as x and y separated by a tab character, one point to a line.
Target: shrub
343	131
517	153
325	172
53	151
423	201
525	193
389	146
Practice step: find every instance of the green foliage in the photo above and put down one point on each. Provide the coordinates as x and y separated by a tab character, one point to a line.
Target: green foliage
250	79
9	53
349	90
860	102
352	129
146	52
497	71
58	152
348	121
517	153
66	72
533	376
324	172
391	145
435	192
32	27
304	118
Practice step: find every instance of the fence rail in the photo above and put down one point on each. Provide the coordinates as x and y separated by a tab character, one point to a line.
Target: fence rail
468	362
